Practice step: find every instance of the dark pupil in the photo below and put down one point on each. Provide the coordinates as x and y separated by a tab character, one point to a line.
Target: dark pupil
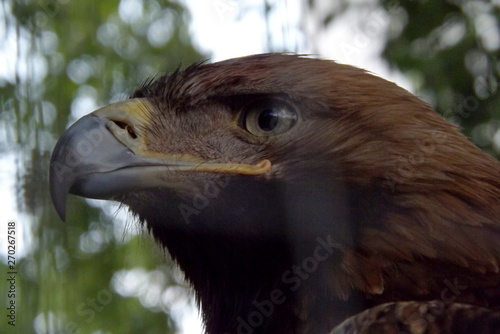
268	119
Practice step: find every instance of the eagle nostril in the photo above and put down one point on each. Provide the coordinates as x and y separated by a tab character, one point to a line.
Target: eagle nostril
127	127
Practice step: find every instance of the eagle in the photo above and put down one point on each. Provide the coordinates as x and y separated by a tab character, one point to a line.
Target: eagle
300	195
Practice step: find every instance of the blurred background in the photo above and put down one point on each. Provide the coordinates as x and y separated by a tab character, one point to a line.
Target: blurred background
60	59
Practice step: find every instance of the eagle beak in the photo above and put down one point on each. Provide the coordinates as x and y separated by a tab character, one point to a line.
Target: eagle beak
104	154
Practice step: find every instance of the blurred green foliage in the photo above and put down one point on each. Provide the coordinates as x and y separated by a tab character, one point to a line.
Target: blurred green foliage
455	57
449	49
73	56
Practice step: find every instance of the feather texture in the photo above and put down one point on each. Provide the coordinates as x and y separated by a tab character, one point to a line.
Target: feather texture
375	210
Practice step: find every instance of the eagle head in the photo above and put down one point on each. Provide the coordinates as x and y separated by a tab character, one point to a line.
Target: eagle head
293	192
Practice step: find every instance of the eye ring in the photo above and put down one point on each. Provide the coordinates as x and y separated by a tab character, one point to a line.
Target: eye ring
269	118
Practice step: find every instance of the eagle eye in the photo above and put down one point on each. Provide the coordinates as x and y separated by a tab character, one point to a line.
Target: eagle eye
269	118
